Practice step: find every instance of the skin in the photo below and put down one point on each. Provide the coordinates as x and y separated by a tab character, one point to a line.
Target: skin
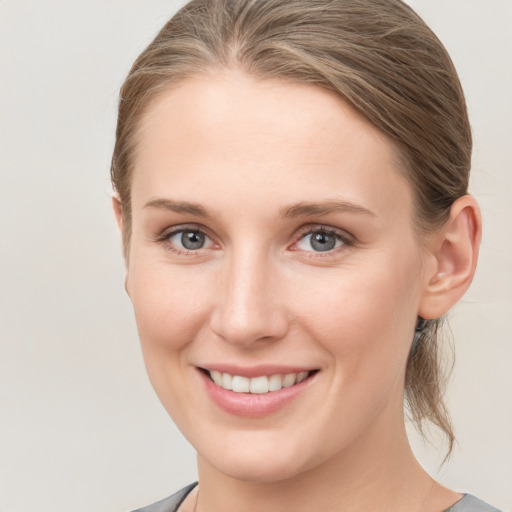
257	292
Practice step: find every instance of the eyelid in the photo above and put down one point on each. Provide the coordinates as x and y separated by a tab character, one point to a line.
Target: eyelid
347	239
178	228
165	235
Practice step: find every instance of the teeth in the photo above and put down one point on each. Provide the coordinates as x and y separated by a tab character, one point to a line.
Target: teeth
240	384
275	383
216	377
256	385
301	376
259	385
289	380
227	381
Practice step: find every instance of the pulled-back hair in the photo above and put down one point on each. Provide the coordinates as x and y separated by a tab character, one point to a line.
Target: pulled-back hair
378	55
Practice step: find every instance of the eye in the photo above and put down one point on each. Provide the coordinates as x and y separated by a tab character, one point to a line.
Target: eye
322	240
188	239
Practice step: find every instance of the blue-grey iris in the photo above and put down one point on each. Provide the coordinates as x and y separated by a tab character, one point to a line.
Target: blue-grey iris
192	240
323	241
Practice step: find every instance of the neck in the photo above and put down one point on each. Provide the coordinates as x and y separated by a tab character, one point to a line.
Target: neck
376	473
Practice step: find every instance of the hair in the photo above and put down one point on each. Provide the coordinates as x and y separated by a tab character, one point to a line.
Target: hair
379	56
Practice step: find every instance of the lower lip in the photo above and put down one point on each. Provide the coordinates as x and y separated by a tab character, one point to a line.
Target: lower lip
253	405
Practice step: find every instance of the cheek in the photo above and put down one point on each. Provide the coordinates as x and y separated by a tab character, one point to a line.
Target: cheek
363	319
171	305
363	316
171	308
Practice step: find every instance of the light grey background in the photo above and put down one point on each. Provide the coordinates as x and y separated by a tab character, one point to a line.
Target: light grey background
80	427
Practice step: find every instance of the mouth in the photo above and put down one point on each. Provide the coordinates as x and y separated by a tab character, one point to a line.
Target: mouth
258	385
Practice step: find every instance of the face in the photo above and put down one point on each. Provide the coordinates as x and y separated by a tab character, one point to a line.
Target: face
274	271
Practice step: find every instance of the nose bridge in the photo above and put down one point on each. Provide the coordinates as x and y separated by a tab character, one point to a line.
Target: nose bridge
248	307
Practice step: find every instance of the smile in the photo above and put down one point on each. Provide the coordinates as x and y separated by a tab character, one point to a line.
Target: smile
256	385
257	392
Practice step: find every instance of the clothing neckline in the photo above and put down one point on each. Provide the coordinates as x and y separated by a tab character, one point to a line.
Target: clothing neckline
456	503
187	490
192	486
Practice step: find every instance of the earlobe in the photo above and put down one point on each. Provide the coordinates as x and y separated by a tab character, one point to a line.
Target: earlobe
455	249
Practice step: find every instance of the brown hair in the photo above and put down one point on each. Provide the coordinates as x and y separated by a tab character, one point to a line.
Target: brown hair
376	54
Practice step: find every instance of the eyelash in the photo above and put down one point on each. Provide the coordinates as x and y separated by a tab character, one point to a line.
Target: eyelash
166	236
346	240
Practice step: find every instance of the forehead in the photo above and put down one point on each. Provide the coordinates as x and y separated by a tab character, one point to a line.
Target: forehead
230	134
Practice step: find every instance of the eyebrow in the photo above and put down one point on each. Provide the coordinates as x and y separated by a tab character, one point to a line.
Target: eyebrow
302	209
178	207
305	209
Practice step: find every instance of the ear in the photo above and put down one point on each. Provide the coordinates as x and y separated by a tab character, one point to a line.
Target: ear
455	253
118	211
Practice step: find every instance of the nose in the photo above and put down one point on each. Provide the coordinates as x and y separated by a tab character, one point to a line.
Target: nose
249	308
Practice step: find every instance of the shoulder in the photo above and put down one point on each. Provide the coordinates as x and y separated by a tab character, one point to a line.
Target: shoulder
469	503
169	504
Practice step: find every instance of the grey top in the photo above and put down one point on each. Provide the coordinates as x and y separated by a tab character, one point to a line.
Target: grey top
467	503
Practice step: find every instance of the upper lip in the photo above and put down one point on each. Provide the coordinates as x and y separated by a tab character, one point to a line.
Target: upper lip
257	370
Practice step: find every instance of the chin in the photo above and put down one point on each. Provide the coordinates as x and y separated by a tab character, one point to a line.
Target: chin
256	461
257	471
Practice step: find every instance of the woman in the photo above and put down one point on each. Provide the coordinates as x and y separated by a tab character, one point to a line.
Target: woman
291	185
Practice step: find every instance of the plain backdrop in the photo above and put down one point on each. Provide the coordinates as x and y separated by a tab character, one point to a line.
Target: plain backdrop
80	427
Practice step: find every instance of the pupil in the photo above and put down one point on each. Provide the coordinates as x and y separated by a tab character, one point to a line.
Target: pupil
323	242
192	240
